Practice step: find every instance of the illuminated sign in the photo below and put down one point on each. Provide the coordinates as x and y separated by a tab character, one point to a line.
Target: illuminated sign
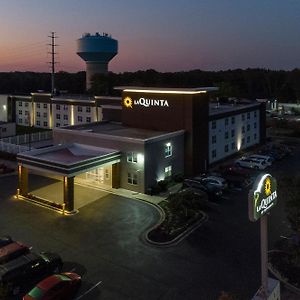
262	197
129	102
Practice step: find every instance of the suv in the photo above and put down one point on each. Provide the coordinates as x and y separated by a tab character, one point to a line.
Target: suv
26	270
251	163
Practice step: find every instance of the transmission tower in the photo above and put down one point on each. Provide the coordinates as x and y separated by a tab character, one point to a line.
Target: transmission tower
53	62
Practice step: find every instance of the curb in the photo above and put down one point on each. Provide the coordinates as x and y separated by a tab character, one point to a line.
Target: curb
278	276
179	237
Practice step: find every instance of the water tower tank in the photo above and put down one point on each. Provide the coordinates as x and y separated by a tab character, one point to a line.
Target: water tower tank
96	50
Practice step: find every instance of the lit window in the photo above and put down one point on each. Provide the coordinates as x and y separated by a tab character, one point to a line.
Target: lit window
168	171
232	133
45	105
213	125
213	139
57	107
168	150
132	157
226	148
132	178
79	108
88	119
88	109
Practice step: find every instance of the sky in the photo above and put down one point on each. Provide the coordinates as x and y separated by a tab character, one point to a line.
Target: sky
165	35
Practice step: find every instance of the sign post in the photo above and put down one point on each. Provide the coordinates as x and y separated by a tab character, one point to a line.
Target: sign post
261	199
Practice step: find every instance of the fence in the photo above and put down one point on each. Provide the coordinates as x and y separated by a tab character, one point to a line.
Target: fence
21	143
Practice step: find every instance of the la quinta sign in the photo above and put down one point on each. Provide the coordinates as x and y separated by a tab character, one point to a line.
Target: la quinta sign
262	197
129	102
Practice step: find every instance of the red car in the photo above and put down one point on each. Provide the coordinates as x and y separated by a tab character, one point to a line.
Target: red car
62	286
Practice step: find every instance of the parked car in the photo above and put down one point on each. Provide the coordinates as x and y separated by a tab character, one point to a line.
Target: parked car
268	159
213	193
26	270
251	163
62	286
215	181
12	251
5	240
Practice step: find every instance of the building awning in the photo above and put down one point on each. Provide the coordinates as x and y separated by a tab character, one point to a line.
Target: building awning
68	160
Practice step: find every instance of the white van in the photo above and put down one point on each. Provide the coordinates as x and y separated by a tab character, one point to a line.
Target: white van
266	158
251	163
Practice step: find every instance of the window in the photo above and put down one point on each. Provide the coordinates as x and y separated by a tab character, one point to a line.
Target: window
26	104
132	178
226	148
26	121
45	115
57	124
168	171
88	119
233	146
232	133
226	121
38	114
243	117
254	114
79	118
248	139
88	109
214	153
57	107
232	120
38	105
168	150
20	103
65	107
248	127
213	125
106	174
213	139
58	116
243	141
20	112
20	121
255	136
4	129
38	123
226	134
45	105
65	117
254	124
79	108
243	129
248	115
132	157
26	112
45	124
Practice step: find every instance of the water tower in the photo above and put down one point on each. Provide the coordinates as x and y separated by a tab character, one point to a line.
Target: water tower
96	50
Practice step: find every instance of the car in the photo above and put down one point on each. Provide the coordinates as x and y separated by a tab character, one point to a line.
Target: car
5	240
251	163
26	270
268	159
215	181
213	193
63	286
12	250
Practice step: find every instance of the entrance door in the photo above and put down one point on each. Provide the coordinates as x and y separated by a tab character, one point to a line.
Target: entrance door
96	175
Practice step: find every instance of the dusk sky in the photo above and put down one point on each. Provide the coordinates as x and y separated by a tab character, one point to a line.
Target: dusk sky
165	35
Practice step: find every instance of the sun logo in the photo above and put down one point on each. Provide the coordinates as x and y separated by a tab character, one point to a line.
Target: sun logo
268	187
127	102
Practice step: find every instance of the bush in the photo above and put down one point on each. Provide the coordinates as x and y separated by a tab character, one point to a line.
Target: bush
163	184
178	178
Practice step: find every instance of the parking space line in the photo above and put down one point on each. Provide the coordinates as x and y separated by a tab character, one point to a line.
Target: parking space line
94	286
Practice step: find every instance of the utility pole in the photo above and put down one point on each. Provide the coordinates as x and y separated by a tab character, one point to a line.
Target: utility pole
53	62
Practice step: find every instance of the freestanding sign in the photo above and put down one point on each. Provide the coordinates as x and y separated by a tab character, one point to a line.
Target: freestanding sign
261	199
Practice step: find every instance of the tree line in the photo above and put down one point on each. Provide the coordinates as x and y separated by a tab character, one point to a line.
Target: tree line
248	83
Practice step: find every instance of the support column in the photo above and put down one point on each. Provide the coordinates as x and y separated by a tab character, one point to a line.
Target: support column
115	175
68	186
22	180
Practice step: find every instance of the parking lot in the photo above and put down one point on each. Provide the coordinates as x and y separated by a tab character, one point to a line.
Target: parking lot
104	243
